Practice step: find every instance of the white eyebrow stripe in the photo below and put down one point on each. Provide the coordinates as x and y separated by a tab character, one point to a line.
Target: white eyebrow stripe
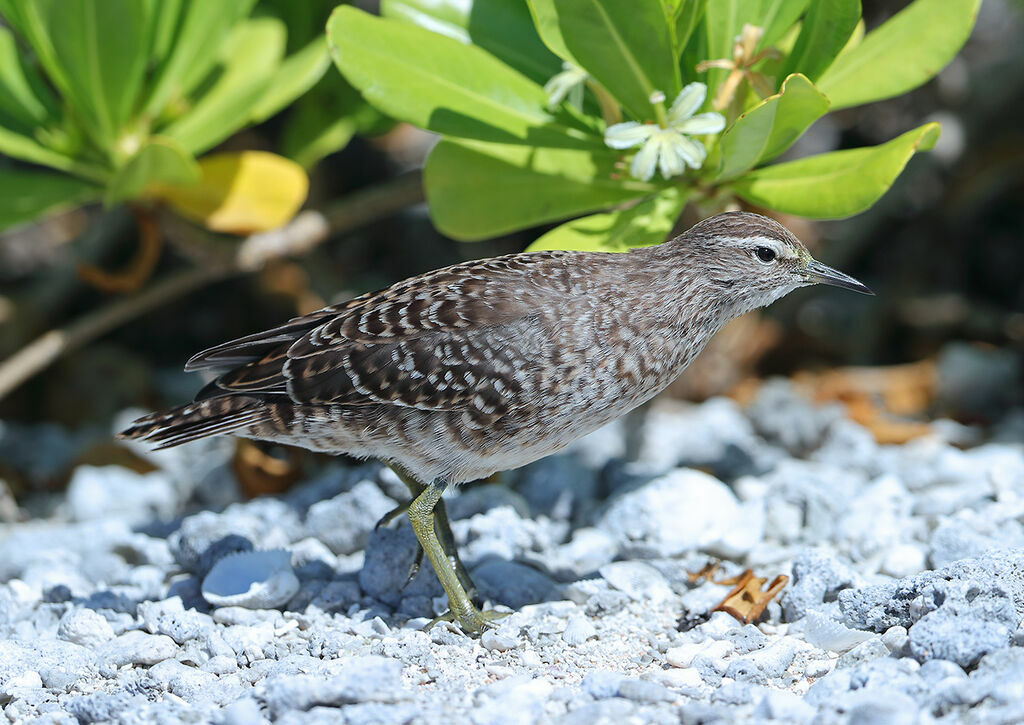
782	250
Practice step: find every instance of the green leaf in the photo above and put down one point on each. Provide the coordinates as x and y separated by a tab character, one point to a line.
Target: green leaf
900	55
827	27
441	84
503	28
643	224
683	16
765	131
27	195
95	52
477	189
159	161
165	23
251	55
777	17
194	50
297	74
545	19
22	147
837	184
24	102
625	46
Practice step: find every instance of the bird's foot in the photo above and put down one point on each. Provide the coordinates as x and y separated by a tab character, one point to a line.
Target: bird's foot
414	568
392	515
473	622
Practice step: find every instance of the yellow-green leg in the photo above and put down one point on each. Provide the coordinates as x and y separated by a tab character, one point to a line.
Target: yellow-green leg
441	524
461	608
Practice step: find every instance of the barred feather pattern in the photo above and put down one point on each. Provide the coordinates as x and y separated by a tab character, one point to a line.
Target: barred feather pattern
479	367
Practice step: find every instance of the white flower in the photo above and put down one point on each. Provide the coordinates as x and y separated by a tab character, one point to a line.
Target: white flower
567	84
667	146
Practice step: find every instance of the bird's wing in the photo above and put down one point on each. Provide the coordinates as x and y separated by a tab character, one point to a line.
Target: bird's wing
448	340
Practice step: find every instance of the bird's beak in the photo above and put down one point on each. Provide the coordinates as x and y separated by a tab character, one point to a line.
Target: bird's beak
818	273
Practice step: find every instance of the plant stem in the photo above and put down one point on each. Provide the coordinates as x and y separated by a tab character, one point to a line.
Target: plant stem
299	236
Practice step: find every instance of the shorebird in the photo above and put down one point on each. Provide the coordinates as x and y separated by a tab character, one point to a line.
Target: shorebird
491	364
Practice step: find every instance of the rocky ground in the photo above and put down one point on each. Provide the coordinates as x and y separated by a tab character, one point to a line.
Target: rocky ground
905	604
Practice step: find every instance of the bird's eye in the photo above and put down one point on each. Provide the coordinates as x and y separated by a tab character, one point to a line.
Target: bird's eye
765	254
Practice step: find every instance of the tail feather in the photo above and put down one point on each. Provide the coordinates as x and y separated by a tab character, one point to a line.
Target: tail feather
209	417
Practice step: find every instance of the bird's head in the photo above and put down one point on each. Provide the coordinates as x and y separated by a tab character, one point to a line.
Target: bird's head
753	260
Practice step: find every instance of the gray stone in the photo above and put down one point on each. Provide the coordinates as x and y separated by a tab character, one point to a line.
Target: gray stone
390	553
784	417
512	584
344	522
200	531
989	587
818	575
960	638
557	486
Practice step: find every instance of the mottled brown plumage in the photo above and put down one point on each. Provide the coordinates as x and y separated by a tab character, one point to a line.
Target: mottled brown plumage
491	364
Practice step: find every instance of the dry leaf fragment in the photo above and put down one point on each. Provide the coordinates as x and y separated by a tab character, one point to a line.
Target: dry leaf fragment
748	597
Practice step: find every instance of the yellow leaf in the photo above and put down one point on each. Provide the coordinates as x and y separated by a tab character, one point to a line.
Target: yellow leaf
240	193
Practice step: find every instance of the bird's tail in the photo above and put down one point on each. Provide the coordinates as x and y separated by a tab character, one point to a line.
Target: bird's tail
204	418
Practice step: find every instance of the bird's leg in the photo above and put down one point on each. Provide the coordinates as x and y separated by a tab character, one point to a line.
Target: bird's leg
441	524
422	518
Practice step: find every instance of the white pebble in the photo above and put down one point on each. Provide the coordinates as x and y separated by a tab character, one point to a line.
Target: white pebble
578	631
85	627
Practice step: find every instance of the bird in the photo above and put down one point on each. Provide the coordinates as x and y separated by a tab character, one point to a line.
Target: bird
489	365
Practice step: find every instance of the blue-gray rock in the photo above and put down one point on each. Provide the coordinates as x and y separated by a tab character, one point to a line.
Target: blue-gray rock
558	486
512	584
200	531
958	613
784	417
217	550
389	555
818	575
344	522
960	638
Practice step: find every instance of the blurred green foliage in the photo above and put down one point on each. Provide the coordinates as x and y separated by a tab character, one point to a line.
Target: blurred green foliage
516	153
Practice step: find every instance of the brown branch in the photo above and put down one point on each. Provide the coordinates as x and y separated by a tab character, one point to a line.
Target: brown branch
302	234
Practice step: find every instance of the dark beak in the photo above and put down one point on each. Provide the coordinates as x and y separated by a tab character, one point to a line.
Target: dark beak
818	273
